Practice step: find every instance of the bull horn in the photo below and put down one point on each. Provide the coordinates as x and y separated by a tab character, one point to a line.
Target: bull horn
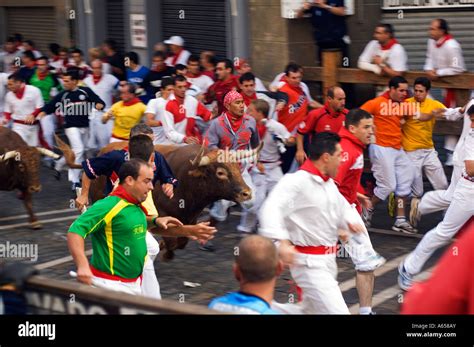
198	156
69	155
48	153
9	155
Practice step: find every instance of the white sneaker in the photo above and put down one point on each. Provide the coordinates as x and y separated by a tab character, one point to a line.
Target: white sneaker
404	227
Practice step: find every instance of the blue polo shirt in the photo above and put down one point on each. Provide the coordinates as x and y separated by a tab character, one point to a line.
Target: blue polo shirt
241	303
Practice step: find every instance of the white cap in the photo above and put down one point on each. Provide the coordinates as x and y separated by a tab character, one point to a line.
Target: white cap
175	40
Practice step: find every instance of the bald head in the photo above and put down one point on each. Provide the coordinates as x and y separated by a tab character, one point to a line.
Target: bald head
336	98
257	259
96	66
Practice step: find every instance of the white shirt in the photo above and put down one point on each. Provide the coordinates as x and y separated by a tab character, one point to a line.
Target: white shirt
277	83
3	90
182	59
272	140
157	108
306	210
259	86
104	89
446	60
468	149
203	82
21	108
395	57
453	114
176	132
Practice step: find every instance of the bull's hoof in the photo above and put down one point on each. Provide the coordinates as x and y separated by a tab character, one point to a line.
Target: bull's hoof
166	255
36	225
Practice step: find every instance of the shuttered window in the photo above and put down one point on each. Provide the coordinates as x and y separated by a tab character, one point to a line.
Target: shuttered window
116	22
34	23
202	24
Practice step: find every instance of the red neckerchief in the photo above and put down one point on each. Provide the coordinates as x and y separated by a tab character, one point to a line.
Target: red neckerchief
131	102
19	94
176	57
248	99
442	40
389	44
309	167
56	58
235	123
96	79
190	75
121	193
262	130
41	76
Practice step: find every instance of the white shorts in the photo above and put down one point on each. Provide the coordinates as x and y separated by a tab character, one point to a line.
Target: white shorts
316	276
150	284
360	247
133	288
392	170
29	133
426	160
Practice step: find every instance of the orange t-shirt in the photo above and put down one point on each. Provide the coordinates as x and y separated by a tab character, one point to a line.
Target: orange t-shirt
387	119
296	109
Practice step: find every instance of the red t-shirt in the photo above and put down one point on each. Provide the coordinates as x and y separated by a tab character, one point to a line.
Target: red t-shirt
323	119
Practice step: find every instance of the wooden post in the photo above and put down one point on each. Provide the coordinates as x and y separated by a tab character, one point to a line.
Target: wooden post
462	96
331	60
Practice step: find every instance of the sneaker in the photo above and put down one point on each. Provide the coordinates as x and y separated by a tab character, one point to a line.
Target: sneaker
207	247
367	216
414	212
405	280
392	205
404	227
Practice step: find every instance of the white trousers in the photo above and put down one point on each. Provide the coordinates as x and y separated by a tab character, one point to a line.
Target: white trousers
99	133
316	276
220	207
439	200
78	139
427	161
150	284
48	125
263	184
133	288
459	212
392	170
360	247
29	133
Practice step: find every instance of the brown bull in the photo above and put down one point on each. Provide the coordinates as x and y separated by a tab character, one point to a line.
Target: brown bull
202	180
19	168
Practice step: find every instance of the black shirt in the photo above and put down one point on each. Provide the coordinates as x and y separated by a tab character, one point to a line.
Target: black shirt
117	60
152	81
328	27
75	106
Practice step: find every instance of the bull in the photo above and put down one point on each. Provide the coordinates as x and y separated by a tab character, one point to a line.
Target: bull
203	178
19	169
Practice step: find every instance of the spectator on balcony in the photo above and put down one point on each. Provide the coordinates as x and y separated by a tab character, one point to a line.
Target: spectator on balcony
444	58
328	18
384	55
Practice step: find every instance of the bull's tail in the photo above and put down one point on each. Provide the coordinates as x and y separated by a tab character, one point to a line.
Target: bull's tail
67	152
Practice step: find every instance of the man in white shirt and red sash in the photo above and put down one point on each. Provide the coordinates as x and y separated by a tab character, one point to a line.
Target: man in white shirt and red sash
444	58
306	213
